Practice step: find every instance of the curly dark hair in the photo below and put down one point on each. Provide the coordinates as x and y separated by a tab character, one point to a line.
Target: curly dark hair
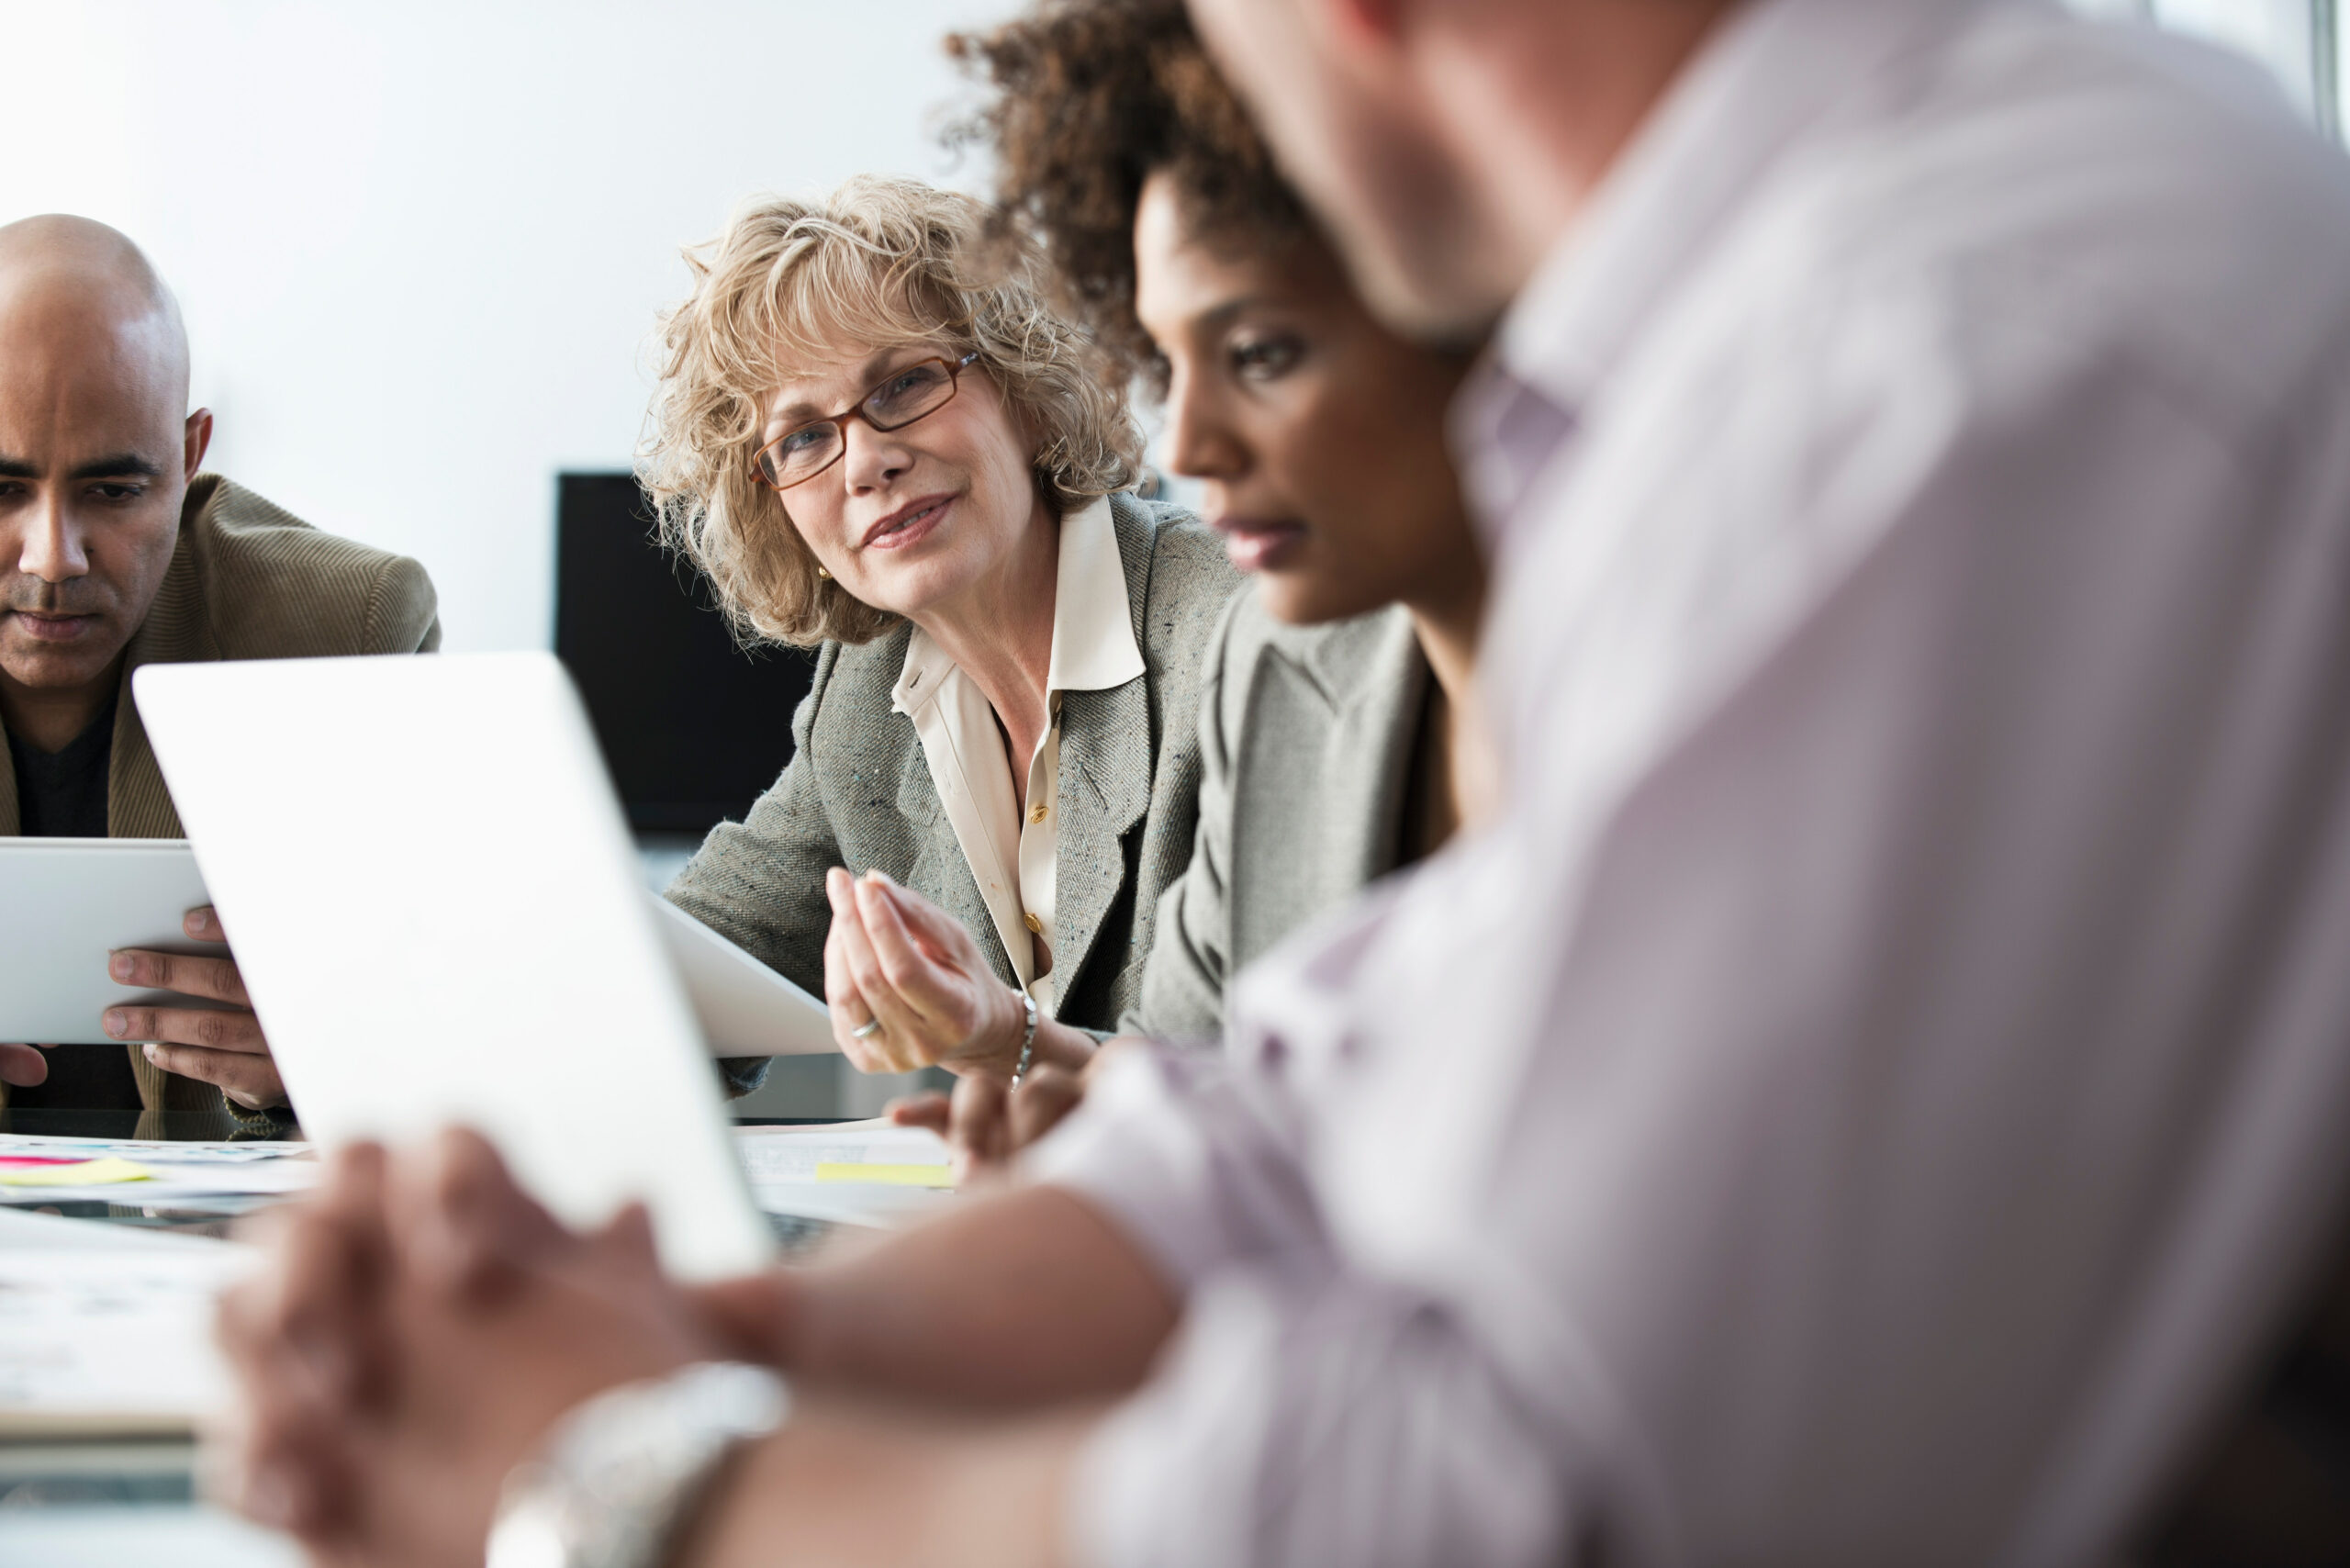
1092	97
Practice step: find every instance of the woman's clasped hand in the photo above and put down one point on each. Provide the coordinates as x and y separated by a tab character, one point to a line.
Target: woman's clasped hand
896	960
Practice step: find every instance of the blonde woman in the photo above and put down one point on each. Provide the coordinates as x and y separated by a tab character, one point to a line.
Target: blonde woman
875	437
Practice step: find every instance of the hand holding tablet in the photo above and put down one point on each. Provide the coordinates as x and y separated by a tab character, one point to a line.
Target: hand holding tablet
220	1044
116	940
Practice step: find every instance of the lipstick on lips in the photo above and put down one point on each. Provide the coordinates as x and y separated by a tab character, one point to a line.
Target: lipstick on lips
1256	545
910	525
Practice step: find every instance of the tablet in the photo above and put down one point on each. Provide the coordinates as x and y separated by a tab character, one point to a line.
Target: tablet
441	920
65	903
745	1009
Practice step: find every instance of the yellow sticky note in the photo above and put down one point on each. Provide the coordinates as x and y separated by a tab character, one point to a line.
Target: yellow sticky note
889	1175
88	1173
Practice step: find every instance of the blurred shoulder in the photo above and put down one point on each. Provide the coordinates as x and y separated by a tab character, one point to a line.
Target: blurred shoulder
274	587
2058	194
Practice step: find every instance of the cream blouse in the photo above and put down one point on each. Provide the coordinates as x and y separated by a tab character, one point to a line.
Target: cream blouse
1093	649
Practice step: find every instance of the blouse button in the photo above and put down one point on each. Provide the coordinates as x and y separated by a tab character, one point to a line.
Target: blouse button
1035	813
1035	925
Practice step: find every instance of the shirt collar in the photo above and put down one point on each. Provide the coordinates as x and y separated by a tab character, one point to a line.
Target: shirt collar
1776	72
1094	623
1093	627
923	675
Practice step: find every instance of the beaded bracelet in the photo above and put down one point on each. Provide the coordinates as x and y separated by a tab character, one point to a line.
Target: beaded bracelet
1027	1043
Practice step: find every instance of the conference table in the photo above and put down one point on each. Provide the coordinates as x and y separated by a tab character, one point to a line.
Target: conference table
129	1499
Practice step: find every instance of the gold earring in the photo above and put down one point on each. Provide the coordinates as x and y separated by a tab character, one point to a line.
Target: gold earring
824	574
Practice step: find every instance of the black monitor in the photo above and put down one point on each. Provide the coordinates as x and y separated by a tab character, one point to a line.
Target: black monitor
693	727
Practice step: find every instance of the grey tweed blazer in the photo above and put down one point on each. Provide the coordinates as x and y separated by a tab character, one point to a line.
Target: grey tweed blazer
857	793
1307	736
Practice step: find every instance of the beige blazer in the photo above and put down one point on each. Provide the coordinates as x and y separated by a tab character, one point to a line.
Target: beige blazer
1307	736
859	794
247	581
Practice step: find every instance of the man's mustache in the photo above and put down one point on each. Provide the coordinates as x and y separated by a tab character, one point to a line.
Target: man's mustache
31	594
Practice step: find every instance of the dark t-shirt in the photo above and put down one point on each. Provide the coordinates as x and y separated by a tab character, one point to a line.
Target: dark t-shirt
62	794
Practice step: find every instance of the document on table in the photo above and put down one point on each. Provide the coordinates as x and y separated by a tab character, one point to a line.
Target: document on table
105	1331
868	1173
40	1169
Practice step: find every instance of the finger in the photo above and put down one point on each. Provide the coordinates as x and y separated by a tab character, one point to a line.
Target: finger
932	1110
292	1471
1044	1097
627	1238
839	892
279	1458
311	1352
933	927
307	1330
872	1054
356	1199
251	1081
977	1139
23	1066
849	1010
899	1046
214	1028
927	987
906	1041
203	925
475	1231
846	1009
216	980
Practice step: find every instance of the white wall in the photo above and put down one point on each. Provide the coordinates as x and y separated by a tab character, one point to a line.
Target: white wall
421	245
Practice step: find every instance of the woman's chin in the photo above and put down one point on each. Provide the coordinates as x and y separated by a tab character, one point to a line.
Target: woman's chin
915	585
1305	599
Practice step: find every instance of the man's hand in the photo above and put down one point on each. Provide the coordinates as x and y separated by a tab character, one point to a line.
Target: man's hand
221	1045
987	1123
896	958
421	1323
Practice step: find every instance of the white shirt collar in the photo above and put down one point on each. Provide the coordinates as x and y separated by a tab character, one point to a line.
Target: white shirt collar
1094	623
1093	627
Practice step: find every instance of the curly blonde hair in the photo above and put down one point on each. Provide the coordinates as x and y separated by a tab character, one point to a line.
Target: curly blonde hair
878	263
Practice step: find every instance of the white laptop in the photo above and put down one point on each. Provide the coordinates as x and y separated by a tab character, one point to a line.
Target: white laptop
439	914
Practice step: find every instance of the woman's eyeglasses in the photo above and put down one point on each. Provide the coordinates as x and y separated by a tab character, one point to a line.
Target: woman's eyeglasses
912	393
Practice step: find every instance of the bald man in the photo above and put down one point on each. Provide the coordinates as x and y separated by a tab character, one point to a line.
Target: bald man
117	551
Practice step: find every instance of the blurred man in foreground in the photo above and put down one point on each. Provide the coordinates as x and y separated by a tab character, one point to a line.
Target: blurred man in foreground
1873	1096
116	551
